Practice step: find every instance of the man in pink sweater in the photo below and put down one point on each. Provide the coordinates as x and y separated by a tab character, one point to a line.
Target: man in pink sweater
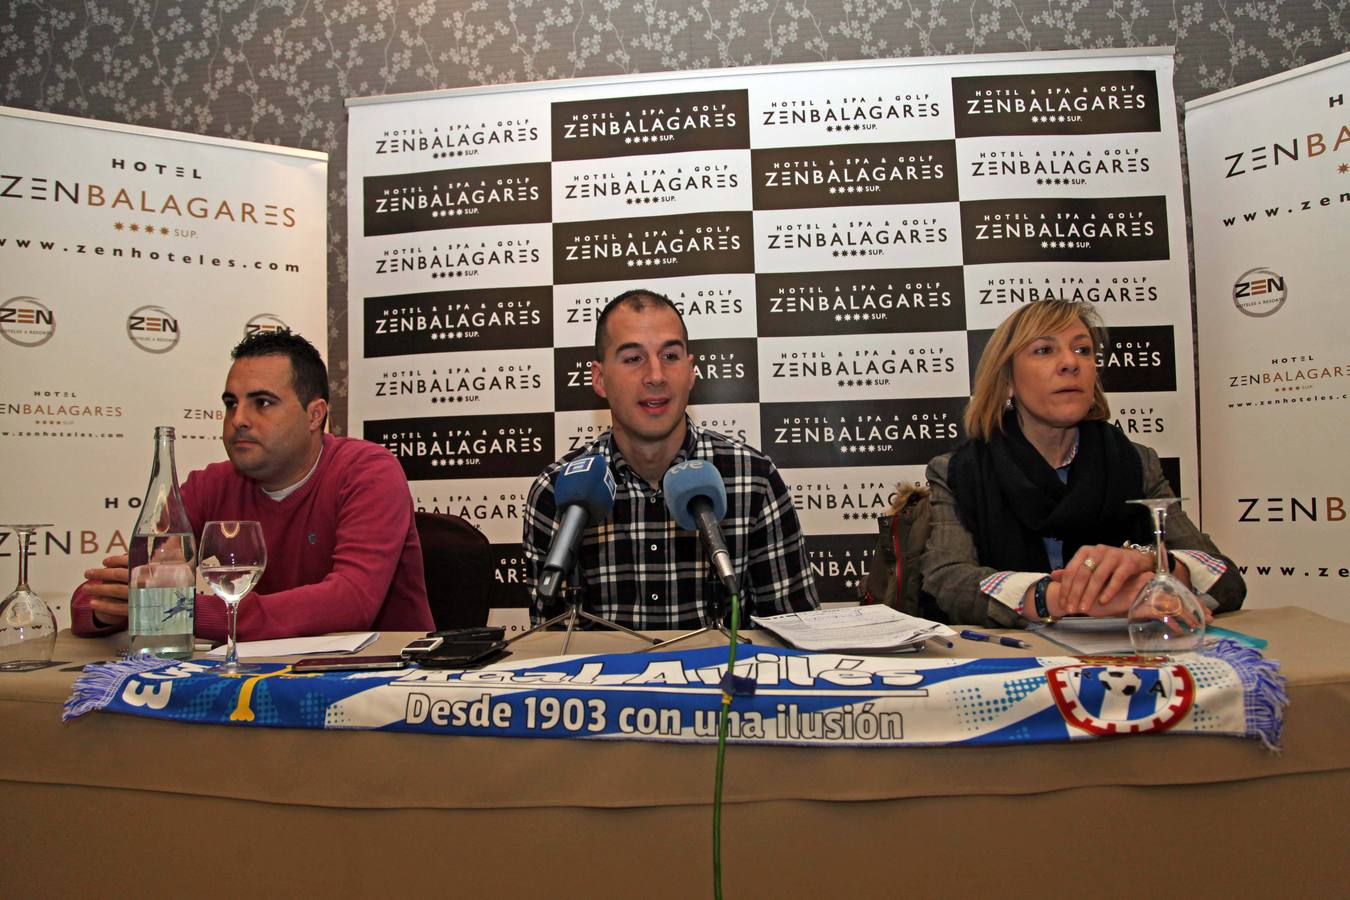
342	547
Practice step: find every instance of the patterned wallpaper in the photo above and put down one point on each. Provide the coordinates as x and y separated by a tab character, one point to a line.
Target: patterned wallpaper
277	71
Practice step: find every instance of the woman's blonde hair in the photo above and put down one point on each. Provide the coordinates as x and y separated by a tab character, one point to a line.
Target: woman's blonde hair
984	412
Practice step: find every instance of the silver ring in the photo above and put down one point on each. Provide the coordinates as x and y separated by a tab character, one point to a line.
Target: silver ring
1090	564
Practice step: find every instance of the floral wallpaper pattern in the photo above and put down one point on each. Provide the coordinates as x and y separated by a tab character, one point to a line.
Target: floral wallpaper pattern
277	71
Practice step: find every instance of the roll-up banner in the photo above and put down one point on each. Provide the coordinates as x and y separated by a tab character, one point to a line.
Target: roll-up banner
840	238
1270	193
131	261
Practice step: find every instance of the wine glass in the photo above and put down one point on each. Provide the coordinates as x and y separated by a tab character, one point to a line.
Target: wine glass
232	558
1166	617
27	626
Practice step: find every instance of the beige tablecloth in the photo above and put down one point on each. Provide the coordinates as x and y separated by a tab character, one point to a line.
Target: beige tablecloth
114	803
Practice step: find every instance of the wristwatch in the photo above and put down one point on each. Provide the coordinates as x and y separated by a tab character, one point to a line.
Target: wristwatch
1042	607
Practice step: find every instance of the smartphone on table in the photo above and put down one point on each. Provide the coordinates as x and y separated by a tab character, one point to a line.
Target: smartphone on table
463	654
348	663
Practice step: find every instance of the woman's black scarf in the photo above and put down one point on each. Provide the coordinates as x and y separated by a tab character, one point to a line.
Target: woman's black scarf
1010	498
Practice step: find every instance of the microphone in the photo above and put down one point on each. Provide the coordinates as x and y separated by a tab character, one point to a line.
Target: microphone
697	499
585	495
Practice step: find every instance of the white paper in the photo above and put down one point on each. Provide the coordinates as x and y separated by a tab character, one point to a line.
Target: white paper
853	628
324	643
1088	643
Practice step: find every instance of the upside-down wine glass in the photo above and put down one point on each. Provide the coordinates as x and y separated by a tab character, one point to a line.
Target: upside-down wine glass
1166	617
27	626
233	557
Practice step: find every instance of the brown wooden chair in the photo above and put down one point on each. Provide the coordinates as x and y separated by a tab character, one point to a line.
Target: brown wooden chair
457	561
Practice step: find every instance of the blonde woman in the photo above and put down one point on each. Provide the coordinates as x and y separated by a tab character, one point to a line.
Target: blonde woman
1030	511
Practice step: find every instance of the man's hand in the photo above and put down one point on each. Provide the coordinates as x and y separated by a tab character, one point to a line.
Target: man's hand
107	590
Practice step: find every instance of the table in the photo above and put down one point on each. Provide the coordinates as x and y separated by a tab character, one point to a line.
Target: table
114	804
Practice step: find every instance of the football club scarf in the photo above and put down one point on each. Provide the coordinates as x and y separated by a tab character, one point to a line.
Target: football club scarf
789	697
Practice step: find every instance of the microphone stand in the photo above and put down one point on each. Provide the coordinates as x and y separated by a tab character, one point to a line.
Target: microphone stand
714	624
574	612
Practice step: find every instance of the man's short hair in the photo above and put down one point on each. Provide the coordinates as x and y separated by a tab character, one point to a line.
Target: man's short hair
309	376
637	300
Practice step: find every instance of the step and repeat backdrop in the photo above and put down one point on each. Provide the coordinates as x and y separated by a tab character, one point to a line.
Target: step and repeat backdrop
131	261
840	238
1270	191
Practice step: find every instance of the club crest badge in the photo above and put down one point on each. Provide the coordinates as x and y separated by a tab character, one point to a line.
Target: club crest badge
1122	699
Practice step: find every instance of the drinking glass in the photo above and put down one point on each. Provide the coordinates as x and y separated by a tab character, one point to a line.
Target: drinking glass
1166	617
27	626
232	558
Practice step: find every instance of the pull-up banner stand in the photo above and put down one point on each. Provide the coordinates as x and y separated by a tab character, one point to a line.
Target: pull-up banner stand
1270	192
131	261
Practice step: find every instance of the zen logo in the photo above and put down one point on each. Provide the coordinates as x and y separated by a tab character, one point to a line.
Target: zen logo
265	323
152	323
26	321
1259	292
26	316
153	328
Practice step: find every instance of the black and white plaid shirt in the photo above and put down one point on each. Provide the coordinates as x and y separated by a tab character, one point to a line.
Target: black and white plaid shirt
640	570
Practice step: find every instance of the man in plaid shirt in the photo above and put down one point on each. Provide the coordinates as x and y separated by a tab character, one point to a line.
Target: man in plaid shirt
638	568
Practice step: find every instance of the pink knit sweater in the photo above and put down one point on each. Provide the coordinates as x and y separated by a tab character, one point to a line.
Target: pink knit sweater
342	551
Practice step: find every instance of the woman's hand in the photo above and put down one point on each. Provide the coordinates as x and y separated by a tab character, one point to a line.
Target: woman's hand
1101	580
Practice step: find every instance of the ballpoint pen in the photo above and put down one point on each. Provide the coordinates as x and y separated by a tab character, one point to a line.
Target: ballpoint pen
995	638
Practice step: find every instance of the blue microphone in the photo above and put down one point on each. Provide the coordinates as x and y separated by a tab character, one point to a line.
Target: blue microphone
584	493
697	499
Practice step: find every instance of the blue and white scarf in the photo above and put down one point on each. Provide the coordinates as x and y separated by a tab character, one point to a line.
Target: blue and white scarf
836	699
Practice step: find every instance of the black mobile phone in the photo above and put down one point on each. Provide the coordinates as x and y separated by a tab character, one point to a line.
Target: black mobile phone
348	663
463	654
481	633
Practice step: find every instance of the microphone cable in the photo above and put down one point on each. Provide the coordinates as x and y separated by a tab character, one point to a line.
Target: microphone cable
722	726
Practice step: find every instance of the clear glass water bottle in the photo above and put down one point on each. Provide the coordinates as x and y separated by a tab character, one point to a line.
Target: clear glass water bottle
161	588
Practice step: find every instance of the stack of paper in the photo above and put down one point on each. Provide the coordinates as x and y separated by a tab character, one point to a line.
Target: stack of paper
324	643
854	628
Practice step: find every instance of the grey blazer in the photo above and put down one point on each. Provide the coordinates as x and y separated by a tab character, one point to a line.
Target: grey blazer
952	573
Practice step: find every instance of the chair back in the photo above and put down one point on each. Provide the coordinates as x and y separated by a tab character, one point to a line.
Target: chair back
457	561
